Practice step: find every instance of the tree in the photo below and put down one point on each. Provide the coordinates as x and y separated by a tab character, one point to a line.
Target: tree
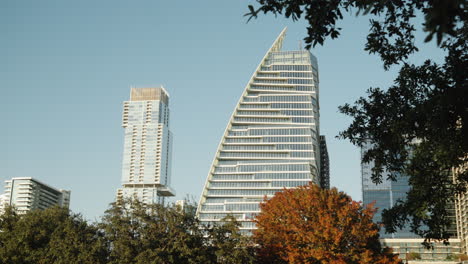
229	245
153	233
314	225
53	235
392	37
413	256
418	126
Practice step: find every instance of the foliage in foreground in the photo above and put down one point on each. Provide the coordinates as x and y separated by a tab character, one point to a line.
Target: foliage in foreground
128	233
51	236
314	225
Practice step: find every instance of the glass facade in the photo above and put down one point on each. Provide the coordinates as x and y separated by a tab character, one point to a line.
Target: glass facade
384	195
146	164
271	141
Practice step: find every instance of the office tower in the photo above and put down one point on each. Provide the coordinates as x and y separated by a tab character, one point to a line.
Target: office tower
26	193
324	164
271	141
146	165
385	195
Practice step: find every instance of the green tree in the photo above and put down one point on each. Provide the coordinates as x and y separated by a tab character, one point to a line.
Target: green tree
139	233
418	126
229	245
313	225
391	33
53	235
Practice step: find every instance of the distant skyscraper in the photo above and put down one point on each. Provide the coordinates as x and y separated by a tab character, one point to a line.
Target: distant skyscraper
146	168
271	141
385	195
324	164
26	194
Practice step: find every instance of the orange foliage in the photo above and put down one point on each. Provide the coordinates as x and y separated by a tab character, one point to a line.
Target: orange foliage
312	225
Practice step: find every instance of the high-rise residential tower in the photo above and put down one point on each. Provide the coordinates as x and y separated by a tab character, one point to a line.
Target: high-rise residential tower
271	141
146	168
26	193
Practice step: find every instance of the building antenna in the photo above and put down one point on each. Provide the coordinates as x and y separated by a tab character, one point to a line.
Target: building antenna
300	45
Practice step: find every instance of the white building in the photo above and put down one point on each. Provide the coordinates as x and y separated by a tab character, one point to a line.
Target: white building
26	193
271	141
146	165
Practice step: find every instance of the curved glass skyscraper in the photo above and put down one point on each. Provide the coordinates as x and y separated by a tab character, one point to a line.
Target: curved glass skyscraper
271	141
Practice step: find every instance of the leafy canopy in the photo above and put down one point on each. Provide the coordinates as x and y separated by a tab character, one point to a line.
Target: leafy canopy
314	225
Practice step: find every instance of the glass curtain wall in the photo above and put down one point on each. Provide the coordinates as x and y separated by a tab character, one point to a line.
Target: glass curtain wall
271	141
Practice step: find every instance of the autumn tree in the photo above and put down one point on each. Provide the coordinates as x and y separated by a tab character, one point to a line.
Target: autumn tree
314	225
51	236
418	126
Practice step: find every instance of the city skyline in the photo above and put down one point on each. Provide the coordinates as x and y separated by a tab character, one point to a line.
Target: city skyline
68	66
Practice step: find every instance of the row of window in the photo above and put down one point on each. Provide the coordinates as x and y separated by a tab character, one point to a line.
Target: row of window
252	155
285	98
291	67
296	74
262	119
243	140
269	147
244	192
287	139
271	81
257	184
215	200
251	106
249	147
279	131
271	131
263	176
259	88
263	113
232	207
291	105
282	112
265	167
268	75
300	81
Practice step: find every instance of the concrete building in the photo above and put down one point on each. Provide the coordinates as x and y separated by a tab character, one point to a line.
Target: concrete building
146	165
461	208
26	193
271	141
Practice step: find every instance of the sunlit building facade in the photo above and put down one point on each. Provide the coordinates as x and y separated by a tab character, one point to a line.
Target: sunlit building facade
146	165
271	141
26	194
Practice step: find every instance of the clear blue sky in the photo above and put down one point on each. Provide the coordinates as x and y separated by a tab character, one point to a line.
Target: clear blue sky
67	66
